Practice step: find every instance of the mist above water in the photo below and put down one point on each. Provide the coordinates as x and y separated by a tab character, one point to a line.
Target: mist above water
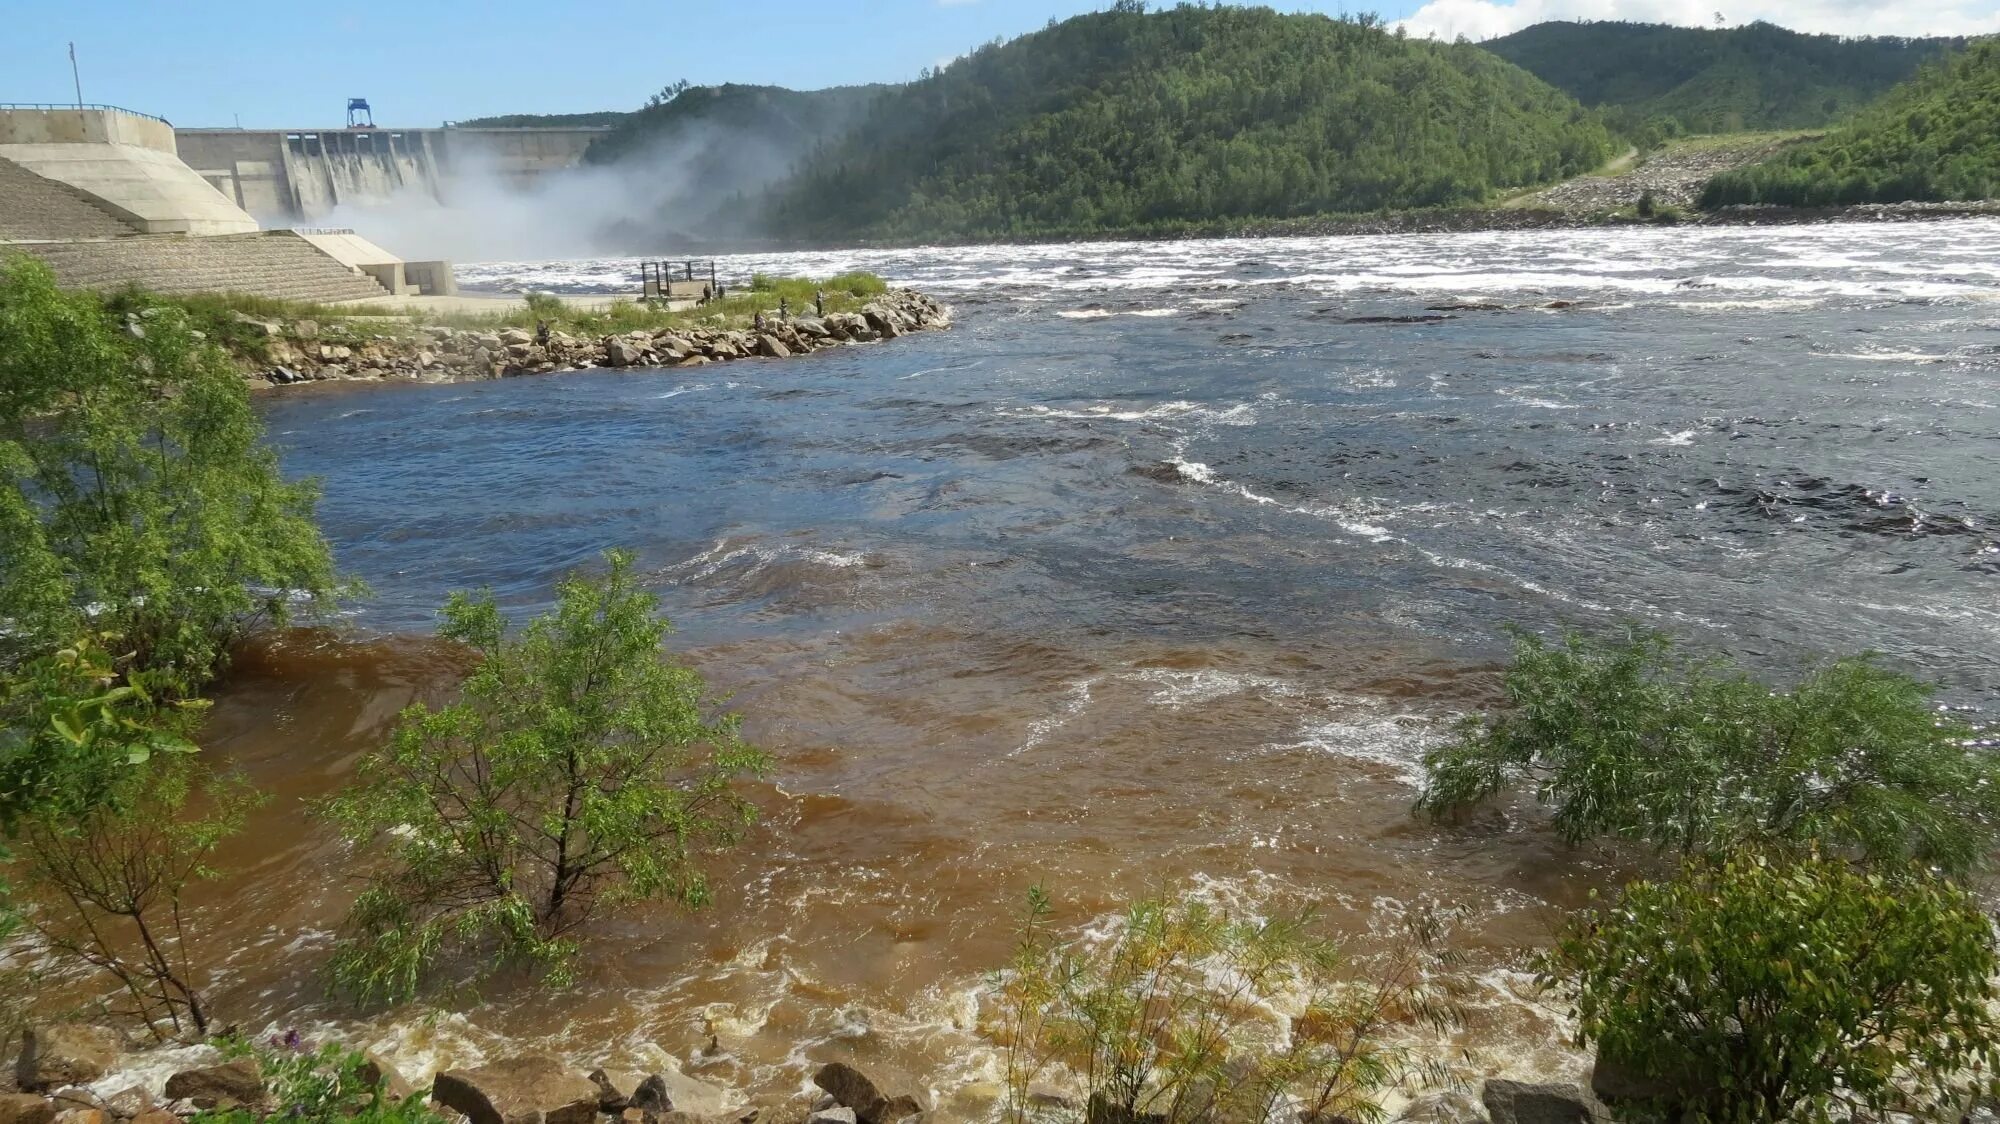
677	196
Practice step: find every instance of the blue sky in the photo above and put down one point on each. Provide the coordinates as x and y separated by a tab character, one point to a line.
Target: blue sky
293	63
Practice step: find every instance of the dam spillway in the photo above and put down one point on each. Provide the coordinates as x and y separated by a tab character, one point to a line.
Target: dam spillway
302	175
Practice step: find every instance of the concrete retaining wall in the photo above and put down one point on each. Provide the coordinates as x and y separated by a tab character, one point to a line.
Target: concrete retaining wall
85	126
147	187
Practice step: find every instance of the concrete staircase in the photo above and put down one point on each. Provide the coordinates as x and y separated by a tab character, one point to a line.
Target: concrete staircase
33	208
275	263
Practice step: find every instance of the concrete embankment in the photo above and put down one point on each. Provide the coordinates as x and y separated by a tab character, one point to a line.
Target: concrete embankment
303	351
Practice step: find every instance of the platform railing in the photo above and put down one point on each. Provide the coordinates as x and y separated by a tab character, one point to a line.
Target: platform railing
85	105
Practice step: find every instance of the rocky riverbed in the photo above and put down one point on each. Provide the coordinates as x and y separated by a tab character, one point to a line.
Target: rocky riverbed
78	1073
303	351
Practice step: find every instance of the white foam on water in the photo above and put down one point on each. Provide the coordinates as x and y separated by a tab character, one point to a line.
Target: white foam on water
1742	267
1365	731
1240	414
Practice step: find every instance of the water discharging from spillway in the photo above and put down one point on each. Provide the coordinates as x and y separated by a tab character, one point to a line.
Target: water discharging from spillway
333	169
1160	571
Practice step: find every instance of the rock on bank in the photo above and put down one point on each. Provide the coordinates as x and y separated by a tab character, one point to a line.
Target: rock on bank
305	351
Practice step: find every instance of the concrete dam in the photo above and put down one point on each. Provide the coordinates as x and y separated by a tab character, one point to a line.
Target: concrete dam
302	175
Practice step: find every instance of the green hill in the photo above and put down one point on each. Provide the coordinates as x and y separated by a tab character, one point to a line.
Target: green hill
1934	139
1699	80
1124	120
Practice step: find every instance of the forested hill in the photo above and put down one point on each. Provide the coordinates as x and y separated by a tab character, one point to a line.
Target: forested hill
1933	139
598	119
1125	120
1715	80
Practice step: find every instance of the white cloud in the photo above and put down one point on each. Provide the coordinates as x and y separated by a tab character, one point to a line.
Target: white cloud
1484	19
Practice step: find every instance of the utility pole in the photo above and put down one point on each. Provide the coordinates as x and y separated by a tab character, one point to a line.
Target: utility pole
74	76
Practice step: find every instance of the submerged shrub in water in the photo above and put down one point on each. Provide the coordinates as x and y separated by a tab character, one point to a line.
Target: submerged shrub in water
1173	1018
106	885
1631	740
1790	989
135	497
577	772
328	1085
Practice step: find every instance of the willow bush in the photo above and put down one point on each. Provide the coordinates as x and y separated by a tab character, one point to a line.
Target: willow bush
577	773
1633	740
135	496
1799	989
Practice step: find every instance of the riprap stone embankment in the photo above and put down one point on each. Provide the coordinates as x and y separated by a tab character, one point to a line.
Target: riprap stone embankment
306	351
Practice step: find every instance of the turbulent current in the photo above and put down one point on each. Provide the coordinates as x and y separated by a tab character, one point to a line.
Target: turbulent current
1161	570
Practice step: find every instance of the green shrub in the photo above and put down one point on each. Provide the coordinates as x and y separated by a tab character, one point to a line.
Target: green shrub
1171	1019
135	497
322	1086
857	284
1631	740
72	727
546	306
578	772
1764	990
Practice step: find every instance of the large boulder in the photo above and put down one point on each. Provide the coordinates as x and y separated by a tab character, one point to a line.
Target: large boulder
233	1084
59	1054
532	1090
25	1108
380	1072
658	1094
1522	1102
771	347
850	1088
623	353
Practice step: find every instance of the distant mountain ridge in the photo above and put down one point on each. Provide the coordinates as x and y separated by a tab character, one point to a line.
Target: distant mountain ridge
1717	80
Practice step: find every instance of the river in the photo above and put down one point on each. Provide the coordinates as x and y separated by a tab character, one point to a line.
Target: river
1159	571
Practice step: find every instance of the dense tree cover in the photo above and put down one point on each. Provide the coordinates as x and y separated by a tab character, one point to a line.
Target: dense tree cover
604	117
1127	119
1634	740
1933	139
1684	79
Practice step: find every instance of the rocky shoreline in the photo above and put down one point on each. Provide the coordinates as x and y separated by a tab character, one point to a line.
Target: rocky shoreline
307	351
75	1073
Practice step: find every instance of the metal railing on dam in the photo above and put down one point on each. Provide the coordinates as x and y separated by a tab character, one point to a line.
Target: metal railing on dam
82	105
